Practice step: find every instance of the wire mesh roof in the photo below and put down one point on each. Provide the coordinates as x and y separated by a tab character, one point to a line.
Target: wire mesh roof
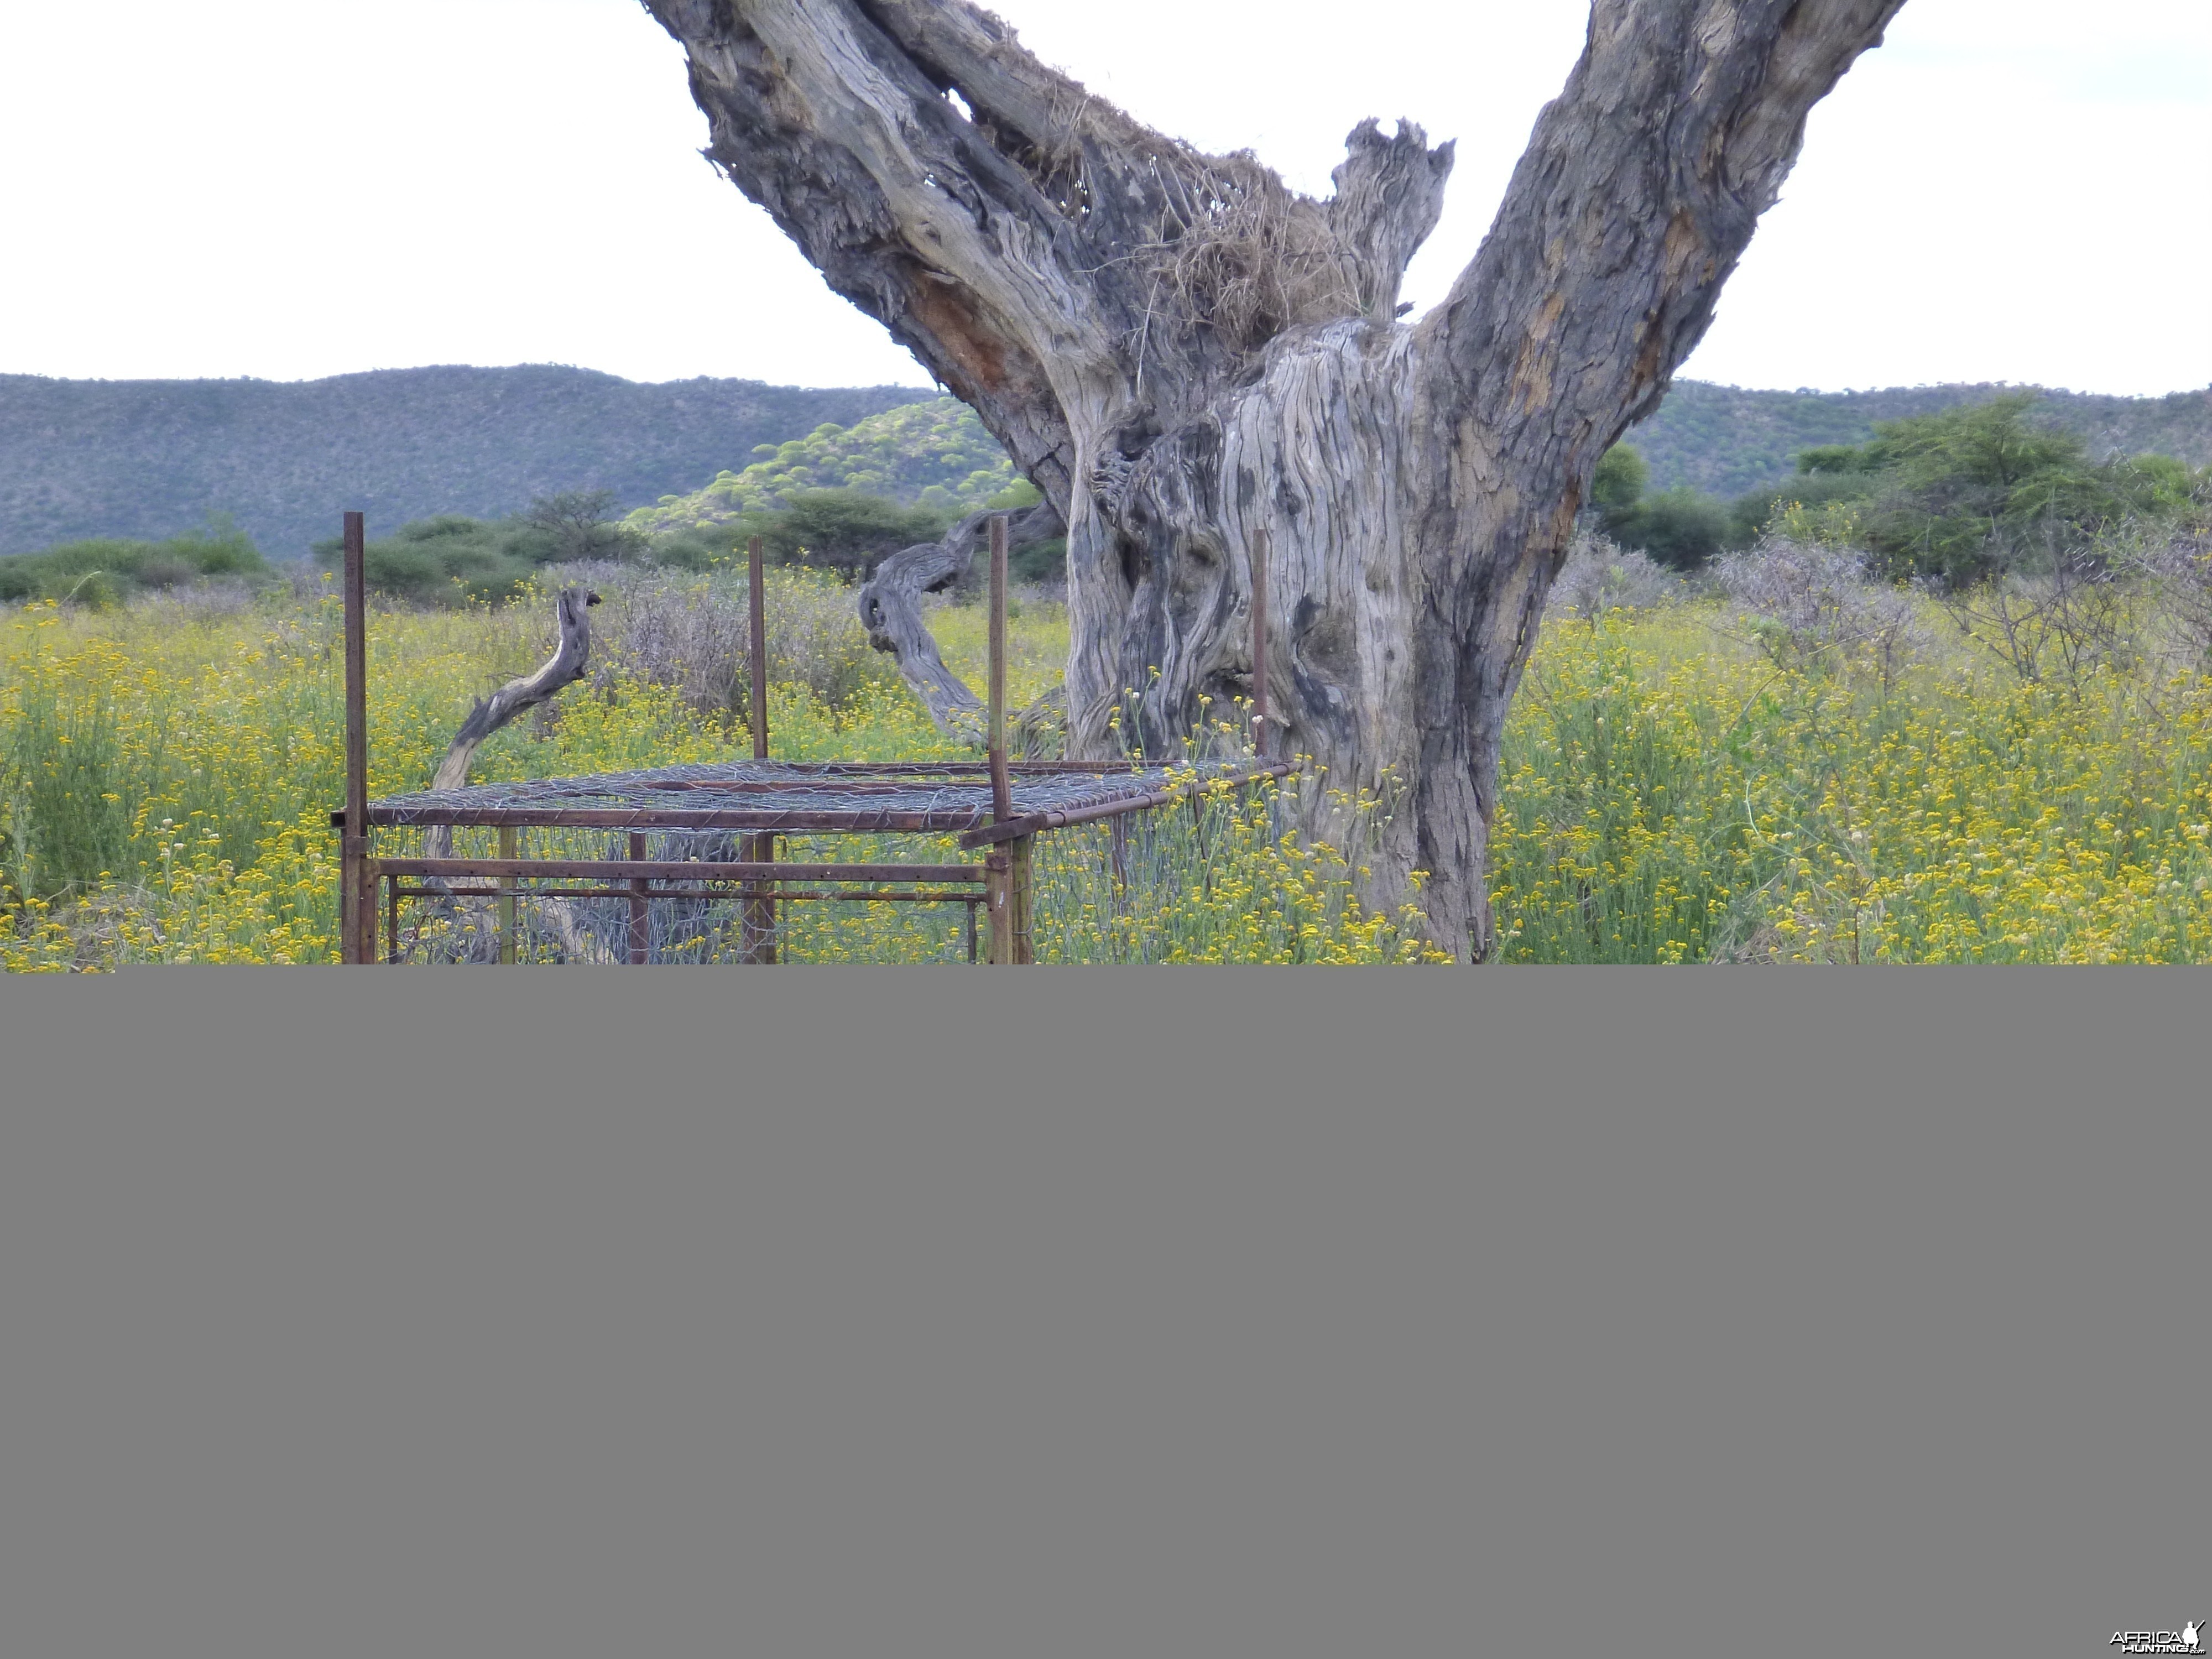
789	795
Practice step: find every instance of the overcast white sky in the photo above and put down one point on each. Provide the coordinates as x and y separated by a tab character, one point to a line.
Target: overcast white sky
2009	190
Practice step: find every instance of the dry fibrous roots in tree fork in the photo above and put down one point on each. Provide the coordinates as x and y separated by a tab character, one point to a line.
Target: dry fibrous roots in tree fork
1180	351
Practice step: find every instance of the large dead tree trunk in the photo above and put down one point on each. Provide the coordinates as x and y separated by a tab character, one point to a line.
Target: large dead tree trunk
1179	350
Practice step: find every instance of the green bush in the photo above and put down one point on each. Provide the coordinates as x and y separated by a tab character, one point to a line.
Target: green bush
1960	494
443	560
1750	515
103	571
1621	479
1680	528
934	455
451	559
845	531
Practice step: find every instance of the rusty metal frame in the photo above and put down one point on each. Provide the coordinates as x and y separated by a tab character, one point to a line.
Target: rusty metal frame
681	869
356	890
1004	883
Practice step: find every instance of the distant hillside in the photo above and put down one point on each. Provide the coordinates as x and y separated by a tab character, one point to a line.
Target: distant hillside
150	459
1728	441
147	458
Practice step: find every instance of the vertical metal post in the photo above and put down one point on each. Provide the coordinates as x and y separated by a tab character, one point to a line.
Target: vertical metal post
508	841
1260	643
639	938
1021	896
757	600
357	941
998	867
1001	793
392	921
970	930
768	906
760	903
997	900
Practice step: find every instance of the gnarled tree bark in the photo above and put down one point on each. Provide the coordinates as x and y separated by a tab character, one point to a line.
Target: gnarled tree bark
1178	350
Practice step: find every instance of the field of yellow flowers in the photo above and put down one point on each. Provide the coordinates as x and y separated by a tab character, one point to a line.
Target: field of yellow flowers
166	774
1668	793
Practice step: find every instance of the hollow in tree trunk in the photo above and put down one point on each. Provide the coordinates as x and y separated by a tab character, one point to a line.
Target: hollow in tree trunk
1179	350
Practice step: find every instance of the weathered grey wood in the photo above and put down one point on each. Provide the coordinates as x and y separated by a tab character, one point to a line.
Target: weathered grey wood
570	662
891	610
1179	351
1261	714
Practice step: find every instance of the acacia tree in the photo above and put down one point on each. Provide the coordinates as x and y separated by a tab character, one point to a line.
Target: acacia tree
1178	350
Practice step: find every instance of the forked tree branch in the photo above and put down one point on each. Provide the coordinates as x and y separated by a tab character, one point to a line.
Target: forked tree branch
1081	281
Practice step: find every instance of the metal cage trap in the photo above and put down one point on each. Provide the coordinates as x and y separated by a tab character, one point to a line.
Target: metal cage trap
690	838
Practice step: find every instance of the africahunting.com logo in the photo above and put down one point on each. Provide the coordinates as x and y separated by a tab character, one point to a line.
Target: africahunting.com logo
2190	1639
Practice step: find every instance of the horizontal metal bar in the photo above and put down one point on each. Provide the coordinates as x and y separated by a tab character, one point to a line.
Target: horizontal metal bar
527	812
873	783
1030	824
853	821
779	896
856	821
675	870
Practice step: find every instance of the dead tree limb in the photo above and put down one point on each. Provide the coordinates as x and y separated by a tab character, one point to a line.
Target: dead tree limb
890	609
570	662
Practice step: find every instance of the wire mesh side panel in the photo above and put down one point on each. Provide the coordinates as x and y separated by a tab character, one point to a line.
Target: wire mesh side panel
568	919
778	796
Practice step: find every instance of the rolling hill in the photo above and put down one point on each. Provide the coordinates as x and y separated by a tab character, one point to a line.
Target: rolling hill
1728	441
147	458
150	459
